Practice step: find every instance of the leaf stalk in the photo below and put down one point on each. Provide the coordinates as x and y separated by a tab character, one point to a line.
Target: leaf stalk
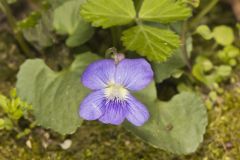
13	24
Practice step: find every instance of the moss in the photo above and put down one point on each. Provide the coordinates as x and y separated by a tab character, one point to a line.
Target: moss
102	142
98	141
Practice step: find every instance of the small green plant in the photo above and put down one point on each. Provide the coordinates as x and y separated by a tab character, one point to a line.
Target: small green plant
224	56
12	110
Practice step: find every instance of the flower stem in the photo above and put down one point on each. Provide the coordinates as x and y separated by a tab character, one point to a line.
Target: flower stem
116	34
13	24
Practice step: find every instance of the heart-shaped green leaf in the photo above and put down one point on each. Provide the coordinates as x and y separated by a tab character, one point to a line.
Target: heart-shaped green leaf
38	31
67	20
176	126
66	17
82	34
55	96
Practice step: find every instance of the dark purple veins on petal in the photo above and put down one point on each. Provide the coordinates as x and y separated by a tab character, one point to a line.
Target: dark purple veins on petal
114	112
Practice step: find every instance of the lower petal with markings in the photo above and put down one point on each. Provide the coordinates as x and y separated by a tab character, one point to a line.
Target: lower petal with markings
90	108
137	112
114	112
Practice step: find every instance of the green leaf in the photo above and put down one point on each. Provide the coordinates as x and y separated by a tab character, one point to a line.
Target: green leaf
66	17
163	11
55	96
194	3
82	34
68	21
108	13
232	51
201	70
8	124
165	70
204	71
224	71
176	126
229	52
223	35
205	32
40	33
154	43
3	101
30	21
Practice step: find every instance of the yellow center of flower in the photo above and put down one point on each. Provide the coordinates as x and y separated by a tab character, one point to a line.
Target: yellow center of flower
115	91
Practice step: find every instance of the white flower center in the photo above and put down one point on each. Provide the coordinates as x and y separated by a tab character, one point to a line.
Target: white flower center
115	91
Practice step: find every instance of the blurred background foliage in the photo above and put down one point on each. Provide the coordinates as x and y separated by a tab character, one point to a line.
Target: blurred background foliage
213	37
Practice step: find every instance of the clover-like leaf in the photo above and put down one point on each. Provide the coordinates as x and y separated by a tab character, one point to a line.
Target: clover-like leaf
194	3
68	21
163	11
108	13
154	43
176	126
55	97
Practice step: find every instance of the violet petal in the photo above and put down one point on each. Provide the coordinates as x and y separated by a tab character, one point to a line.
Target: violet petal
99	74
137	112
134	74
115	112
90	108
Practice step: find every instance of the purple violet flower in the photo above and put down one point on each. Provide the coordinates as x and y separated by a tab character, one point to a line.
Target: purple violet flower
111	82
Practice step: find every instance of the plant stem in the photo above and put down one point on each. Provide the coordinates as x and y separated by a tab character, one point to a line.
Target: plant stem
116	33
138	5
18	35
205	11
184	46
